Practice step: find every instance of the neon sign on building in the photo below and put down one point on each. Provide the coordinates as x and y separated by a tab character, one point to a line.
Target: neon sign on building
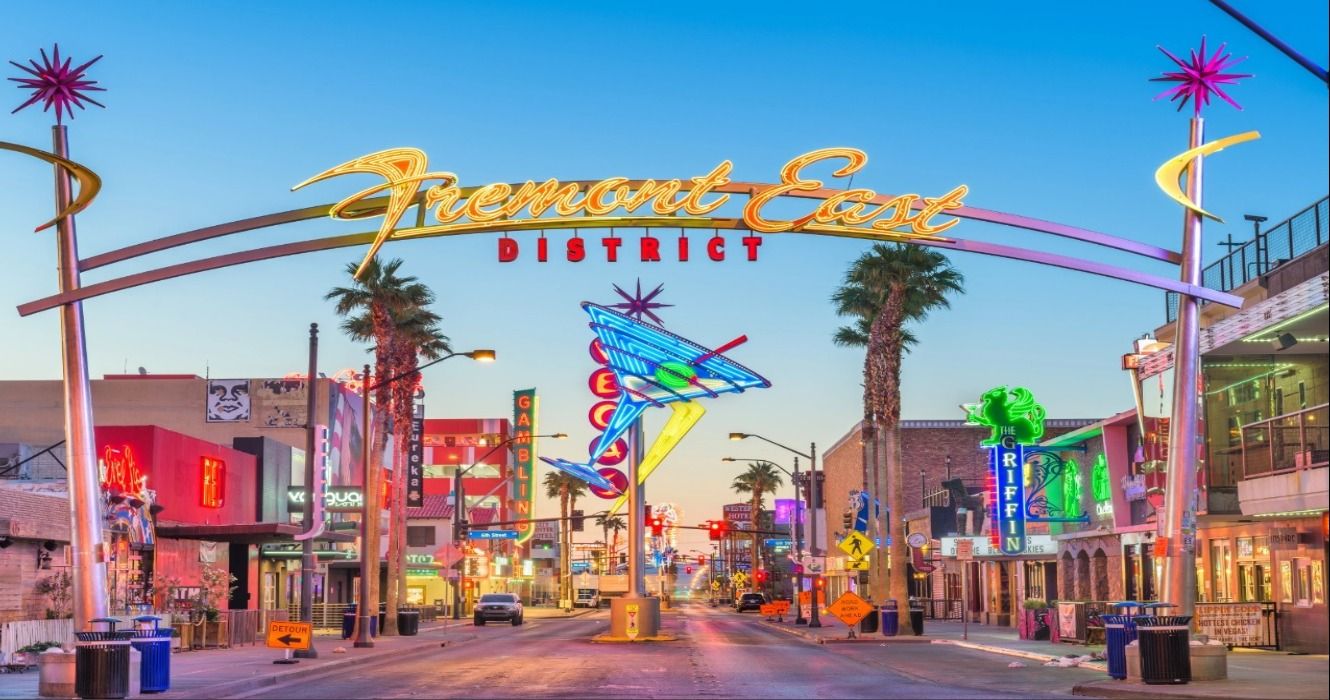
523	490
1015	421
120	470
212	482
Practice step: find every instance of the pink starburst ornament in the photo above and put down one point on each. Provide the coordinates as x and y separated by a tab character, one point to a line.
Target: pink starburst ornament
1200	77
55	84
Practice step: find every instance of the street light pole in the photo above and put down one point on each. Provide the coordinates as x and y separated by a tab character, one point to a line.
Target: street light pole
814	498
459	504
369	526
307	513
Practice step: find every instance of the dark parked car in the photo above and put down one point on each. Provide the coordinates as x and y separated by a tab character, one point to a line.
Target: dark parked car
751	601
498	606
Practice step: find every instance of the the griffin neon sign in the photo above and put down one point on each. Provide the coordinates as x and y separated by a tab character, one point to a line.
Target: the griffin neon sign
1015	421
618	200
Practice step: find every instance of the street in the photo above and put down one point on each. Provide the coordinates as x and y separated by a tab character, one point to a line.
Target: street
719	654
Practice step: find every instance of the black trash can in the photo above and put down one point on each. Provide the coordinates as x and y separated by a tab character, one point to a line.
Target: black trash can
348	622
154	644
408	622
101	661
916	618
1165	644
891	619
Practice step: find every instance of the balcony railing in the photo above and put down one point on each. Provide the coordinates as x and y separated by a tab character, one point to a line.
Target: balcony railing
1273	247
1287	443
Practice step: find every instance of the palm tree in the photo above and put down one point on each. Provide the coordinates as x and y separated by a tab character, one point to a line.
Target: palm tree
885	288
373	307
567	489
609	522
759	479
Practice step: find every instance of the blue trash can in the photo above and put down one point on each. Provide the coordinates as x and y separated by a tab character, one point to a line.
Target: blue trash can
154	644
891	619
1119	631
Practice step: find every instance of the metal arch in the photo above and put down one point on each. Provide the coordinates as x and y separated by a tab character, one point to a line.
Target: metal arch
364	238
739	188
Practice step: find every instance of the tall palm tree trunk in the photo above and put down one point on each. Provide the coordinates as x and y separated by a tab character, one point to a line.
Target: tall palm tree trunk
893	313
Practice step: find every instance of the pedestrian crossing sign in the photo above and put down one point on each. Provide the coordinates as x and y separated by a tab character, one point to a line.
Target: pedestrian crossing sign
856	545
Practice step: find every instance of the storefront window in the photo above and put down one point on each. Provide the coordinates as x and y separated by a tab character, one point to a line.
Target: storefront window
1285	582
1034	580
1302	583
1318	582
1220	564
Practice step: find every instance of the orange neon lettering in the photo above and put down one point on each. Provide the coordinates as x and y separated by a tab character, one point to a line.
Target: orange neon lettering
791	181
720	175
486	196
594	202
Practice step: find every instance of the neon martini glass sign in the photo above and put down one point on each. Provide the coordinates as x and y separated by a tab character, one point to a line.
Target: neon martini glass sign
655	368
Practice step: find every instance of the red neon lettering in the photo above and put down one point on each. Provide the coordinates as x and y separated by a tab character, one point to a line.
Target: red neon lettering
716	248
542	249
523	455
683	249
212	483
751	243
507	250
599	415
598	352
524	402
602	384
121	471
611	244
576	250
650	249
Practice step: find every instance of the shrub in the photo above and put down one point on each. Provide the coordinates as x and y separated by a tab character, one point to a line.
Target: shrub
1034	604
38	647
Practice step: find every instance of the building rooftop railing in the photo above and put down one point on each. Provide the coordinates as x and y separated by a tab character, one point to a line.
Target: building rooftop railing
1296	235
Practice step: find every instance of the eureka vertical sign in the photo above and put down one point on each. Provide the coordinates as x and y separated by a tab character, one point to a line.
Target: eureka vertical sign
522	485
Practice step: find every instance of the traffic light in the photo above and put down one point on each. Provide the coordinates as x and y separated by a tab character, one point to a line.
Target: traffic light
657	526
688	569
820	583
701	560
578	521
848	520
716	529
761	576
463	531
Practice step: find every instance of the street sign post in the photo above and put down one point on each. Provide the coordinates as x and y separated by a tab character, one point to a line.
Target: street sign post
289	637
850	609
965	553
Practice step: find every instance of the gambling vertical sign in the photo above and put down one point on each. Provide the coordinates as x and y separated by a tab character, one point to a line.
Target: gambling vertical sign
522	487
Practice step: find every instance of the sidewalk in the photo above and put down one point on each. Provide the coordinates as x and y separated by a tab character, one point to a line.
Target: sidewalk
227	672
1251	674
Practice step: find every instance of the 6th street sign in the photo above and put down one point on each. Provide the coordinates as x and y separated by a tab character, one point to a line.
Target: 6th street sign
289	635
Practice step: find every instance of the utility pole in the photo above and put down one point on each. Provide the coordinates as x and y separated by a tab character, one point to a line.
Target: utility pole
816	493
369	524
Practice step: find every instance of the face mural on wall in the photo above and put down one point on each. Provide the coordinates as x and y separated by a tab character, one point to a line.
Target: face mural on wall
228	401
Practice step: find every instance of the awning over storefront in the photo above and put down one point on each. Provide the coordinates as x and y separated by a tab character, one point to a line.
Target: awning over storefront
248	533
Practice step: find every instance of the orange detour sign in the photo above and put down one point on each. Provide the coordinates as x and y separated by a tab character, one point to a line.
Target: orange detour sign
768	610
782	606
290	635
850	608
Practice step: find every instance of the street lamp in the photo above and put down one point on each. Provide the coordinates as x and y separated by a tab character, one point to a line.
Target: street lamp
797	527
459	503
369	545
814	497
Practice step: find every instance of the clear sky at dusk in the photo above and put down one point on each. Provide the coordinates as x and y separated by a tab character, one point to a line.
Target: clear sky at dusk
1043	109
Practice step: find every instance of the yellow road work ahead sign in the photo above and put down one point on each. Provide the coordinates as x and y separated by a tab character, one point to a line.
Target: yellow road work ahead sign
850	608
856	545
290	635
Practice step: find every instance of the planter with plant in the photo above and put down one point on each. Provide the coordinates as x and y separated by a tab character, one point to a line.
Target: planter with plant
1029	626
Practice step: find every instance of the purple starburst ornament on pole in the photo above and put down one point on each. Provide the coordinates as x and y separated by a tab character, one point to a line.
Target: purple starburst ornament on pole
55	84
636	306
1200	77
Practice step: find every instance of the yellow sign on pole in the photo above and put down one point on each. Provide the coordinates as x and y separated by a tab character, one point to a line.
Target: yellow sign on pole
856	564
856	545
290	635
632	630
850	608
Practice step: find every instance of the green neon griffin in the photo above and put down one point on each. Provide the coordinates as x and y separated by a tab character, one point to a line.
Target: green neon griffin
1008	411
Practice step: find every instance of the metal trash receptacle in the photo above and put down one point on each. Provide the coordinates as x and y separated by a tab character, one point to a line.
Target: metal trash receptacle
154	644
349	622
869	624
916	619
1164	642
1119	631
408	623
891	619
101	661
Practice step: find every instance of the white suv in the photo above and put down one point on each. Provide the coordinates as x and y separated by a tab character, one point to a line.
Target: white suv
498	606
587	598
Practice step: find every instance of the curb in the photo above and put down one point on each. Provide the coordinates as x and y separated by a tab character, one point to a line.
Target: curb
1128	689
240	688
818	639
1030	655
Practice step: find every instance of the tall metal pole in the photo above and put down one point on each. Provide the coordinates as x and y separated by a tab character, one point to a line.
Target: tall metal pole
459	502
636	515
1180	494
80	445
815	494
369	527
307	544
799	618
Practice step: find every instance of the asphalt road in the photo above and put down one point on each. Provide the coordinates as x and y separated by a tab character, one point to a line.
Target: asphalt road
720	654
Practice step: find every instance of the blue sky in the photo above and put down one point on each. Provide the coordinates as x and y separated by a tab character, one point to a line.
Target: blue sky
1043	109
